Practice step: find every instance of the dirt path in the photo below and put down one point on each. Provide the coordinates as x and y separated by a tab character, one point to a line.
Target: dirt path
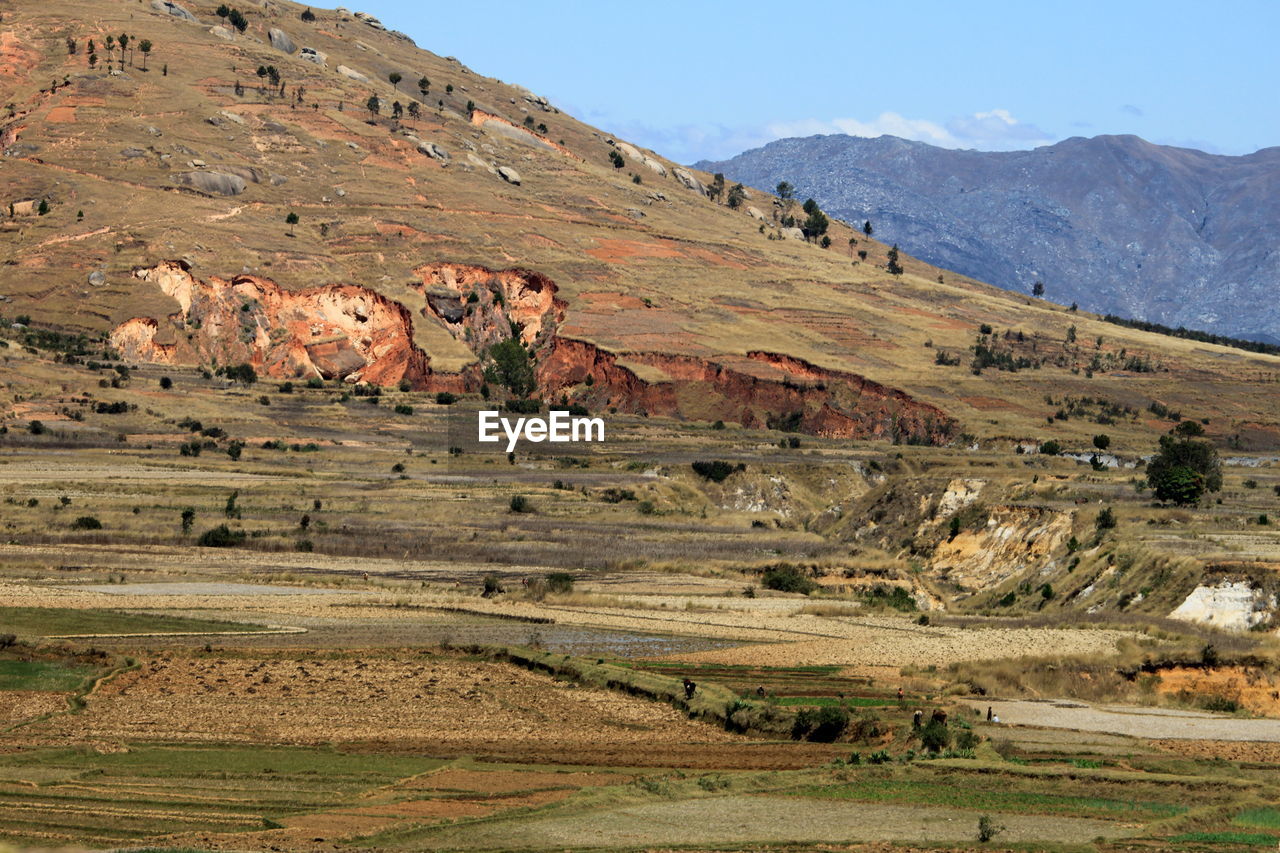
1133	721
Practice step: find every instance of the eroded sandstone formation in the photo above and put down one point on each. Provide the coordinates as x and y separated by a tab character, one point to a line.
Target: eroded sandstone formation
334	331
354	333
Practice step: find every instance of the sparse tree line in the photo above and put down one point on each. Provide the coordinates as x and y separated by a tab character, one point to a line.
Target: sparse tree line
125	43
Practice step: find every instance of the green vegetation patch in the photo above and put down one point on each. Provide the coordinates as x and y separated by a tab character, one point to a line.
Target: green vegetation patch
836	702
1252	839
41	675
945	792
58	621
1262	817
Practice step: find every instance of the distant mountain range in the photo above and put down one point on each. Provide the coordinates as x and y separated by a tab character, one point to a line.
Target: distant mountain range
1115	223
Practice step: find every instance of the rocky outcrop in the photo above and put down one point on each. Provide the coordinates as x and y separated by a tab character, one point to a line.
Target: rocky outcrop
352	74
215	183
479	305
686	178
509	129
352	332
170	8
509	175
1231	605
1013	541
310	54
334	331
435	152
280	40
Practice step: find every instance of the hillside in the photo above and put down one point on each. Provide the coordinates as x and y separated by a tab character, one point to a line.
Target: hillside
1114	223
420	240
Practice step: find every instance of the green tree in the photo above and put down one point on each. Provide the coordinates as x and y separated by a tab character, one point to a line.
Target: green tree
373	105
424	86
415	110
737	195
43	208
291	220
397	110
866	228
1037	289
717	186
188	518
511	367
308	15
124	45
1184	469
223	11
145	47
1102	441
894	267
395	77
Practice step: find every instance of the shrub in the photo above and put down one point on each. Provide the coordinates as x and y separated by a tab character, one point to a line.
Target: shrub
36	428
935	736
520	503
221	537
1102	441
523	407
823	725
560	582
1051	448
403	409
165	383
787	578
886	595
87	522
1106	519
988	829
444	398
492	585
716	469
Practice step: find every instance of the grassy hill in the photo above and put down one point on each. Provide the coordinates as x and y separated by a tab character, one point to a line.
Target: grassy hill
131	165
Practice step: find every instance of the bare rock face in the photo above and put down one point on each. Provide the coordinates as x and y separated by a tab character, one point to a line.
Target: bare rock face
690	182
310	54
171	8
280	40
352	74
332	331
216	183
1230	605
435	152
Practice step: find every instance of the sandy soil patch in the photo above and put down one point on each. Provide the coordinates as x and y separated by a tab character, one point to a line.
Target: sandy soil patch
1251	687
1157	723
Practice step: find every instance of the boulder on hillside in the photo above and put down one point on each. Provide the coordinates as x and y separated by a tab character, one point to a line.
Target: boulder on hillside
509	175
171	8
280	40
754	213
310	54
216	183
352	73
793	233
690	182
222	33
435	152
447	305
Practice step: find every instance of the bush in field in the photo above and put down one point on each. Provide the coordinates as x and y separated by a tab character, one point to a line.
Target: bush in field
220	537
787	578
520	503
935	736
444	398
716	470
823	725
988	829
87	522
560	583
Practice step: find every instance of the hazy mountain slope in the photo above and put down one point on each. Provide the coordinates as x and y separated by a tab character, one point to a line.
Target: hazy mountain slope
1115	223
424	241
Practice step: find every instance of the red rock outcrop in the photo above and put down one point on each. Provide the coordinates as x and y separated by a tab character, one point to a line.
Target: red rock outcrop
334	331
354	333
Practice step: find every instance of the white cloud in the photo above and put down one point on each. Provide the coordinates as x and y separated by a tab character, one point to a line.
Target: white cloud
992	130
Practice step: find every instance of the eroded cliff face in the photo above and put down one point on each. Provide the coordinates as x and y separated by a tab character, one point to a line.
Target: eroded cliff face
478	305
354	333
334	331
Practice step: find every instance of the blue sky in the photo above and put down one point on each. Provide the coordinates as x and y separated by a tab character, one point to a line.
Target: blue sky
710	79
